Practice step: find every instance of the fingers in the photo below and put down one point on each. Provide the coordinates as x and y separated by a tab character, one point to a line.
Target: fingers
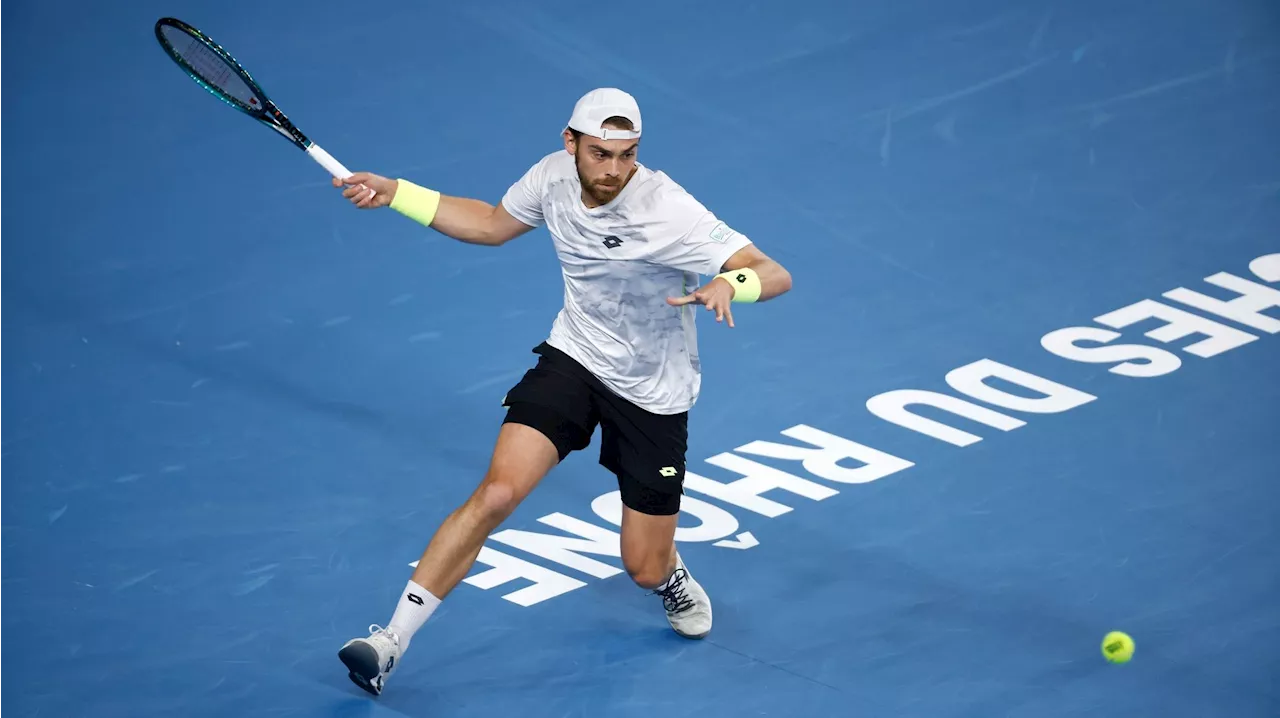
722	310
366	198
361	196
359	189
715	301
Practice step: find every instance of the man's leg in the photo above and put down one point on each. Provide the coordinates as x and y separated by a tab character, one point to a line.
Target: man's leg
650	557
521	458
648	547
549	415
647	453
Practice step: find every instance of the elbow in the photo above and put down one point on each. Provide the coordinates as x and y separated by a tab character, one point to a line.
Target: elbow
488	235
494	233
784	280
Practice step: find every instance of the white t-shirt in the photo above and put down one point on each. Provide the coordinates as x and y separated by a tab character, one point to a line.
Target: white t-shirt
621	262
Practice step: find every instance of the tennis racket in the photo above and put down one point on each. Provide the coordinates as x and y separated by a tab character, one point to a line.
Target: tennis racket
214	69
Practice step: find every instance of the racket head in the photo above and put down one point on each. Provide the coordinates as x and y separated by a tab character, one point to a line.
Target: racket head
213	68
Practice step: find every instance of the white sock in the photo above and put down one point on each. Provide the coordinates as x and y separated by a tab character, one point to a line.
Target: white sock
415	607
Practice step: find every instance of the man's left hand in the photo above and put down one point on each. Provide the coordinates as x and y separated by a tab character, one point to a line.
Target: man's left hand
716	295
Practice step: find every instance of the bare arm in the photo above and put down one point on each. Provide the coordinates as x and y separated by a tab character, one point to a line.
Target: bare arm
774	279
468	220
717	295
476	222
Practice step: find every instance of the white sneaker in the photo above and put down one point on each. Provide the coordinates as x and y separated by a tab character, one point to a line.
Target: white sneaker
688	606
372	660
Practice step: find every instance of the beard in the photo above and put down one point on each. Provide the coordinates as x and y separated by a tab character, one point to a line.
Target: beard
601	193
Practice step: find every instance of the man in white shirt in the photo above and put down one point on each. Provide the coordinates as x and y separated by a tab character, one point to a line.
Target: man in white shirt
622	353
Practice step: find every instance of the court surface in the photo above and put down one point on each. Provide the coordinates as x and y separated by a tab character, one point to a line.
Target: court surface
236	408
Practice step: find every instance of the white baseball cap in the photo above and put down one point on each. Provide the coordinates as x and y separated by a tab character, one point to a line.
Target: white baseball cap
599	105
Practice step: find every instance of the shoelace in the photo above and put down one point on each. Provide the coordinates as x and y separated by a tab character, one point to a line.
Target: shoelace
674	597
375	629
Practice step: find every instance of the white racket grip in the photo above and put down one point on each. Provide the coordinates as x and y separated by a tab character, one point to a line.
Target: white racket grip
327	161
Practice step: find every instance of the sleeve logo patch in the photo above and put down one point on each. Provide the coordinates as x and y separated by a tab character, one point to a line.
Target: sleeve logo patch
721	233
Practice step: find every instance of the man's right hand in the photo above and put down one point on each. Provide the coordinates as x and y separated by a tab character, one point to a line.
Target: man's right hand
367	190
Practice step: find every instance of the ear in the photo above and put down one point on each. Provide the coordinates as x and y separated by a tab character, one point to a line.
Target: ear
570	145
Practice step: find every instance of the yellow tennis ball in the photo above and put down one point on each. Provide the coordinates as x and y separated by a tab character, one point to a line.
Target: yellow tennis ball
1117	647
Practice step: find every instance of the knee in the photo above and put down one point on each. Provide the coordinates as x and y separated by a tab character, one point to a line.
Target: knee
650	570
495	501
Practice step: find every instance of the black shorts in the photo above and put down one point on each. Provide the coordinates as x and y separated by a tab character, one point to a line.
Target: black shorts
646	451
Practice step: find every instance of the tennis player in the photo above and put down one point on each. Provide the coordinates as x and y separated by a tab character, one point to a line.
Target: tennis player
622	354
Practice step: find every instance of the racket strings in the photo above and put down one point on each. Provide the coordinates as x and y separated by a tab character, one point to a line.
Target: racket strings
211	68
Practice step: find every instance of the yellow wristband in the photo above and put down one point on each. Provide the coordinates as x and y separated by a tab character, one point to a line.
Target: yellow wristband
416	203
745	282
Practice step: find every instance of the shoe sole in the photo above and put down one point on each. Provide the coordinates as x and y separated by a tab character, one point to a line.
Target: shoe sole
362	662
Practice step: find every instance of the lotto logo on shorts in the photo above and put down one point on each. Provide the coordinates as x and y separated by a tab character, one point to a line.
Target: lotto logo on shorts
668	471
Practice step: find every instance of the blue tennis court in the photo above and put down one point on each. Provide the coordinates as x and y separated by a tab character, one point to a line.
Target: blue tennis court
1026	389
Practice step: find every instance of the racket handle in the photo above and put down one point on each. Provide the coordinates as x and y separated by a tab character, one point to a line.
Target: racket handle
327	161
335	167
